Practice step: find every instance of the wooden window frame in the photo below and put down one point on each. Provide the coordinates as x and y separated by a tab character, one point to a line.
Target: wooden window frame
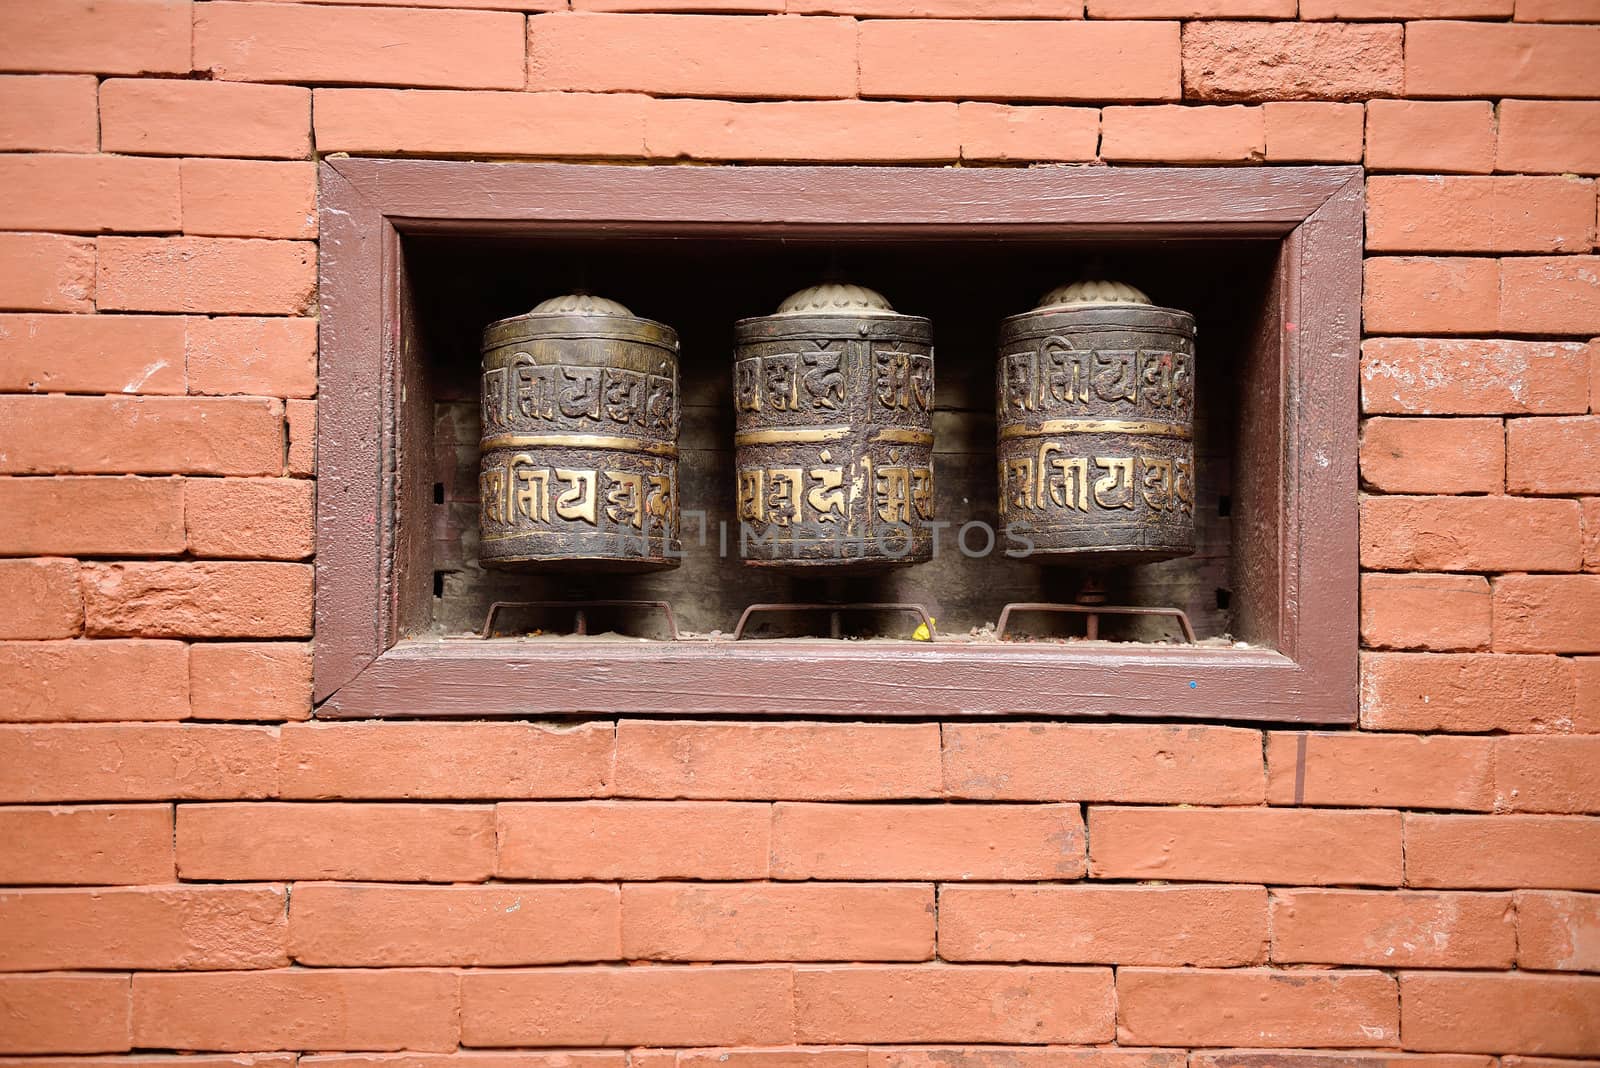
370	531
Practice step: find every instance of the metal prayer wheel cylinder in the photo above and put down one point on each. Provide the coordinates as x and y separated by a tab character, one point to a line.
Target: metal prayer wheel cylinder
833	403
1095	405
579	454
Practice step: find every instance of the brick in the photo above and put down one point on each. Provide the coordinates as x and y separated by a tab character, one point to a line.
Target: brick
1552	1014
633	840
1547	614
486	1058
1027	1057
1209	926
1550	295
180	599
1433	455
777	922
1178	134
1390	930
93	844
1256	1006
1317	848
669	1006
347	924
298	1009
1549	137
249	198
792	761
692	55
44	598
1485	59
96	36
251	680
589	125
794	1056
1409	213
1330	1059
931	9
1553	455
64	1012
1190	9
1591	534
1432	136
186	118
1469	534
88	194
1547	774
48	113
273	357
445	760
399	843
300	418
91	354
1558	932
1380	770
1425	295
1193	764
1313	132
1555	11
1423	376
250	518
1405	9
99	680
803	130
1503	852
719	7
1440	613
136	762
140	435
158	927
245	276
1468	692
159	1060
46	272
973	1003
1046	60
1290	61
1003	133
927	841
359	45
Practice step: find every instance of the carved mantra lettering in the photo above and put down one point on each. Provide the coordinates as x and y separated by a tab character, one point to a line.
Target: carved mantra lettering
522	493
783	496
524	391
1056	377
817	381
1053	479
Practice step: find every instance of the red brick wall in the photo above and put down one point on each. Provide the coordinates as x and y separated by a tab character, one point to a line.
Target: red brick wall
196	868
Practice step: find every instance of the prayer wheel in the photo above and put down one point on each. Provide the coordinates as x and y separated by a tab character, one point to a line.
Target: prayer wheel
1095	405
579	454
833	403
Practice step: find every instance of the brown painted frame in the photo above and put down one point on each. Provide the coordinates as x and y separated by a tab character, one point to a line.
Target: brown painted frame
367	531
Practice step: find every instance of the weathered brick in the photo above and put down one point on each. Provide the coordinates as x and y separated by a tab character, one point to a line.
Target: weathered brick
1407	213
380	46
1553	455
777	922
1405	9
96	36
103	845
1550	294
1549	137
93	680
46	272
1191	9
1387	770
156	927
1419	376
1174	133
1558	932
162	1060
245	276
1470	692
1469	534
1290	61
369	926
251	680
249	518
1556	11
972	1003
203	600
1547	614
48	113
1045	60
91	354
1393	930
1431	136
488	1058
136	762
692	55
843	841
64	1012
1194	764
298	1008
1591	534
794	1056
1233	1058
189	118
273	357
400	843
1503	852
792	761
300	420
44	599
803	130
633	840
445	760
249	198
1013	133
1256	1006
735	1005
1248	844
88	194
1433	455
1313	132
589	125
140	435
1547	774
1208	926
1426	295
1551	1014
1490	60
1441	613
